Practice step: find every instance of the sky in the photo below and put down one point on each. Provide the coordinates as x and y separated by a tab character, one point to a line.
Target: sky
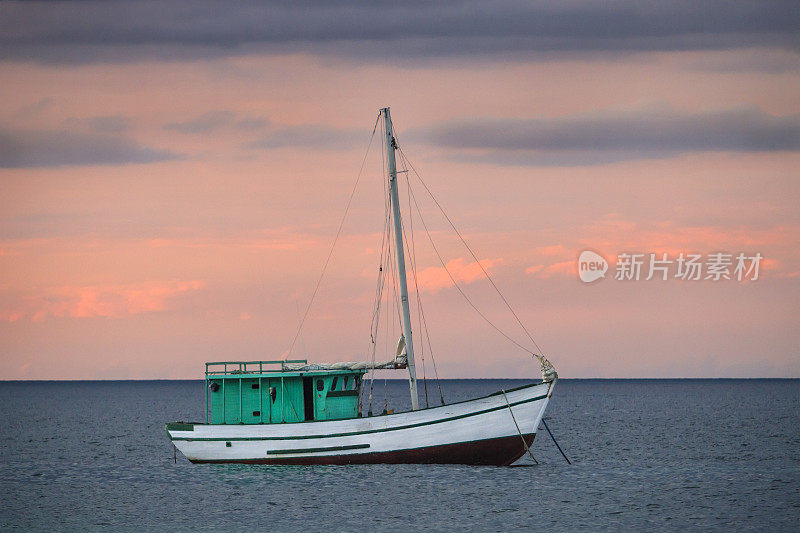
173	175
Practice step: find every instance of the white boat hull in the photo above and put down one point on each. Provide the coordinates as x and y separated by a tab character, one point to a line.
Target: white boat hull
480	431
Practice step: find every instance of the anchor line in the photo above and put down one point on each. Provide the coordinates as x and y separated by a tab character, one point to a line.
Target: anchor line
554	441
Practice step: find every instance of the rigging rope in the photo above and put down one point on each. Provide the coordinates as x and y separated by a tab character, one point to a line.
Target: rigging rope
376	315
485	273
412	259
335	239
433	359
420	310
395	309
524	443
457	286
385	246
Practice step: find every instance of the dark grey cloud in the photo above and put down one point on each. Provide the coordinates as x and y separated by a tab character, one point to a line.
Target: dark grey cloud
253	123
121	30
204	123
102	124
748	61
34	109
613	136
110	124
37	148
214	120
312	136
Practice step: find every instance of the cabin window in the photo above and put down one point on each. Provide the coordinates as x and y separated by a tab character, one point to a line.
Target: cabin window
273	393
255	385
335	382
228	444
320	385
256	413
344	385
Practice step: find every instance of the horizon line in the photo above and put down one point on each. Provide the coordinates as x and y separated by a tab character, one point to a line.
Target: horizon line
107	380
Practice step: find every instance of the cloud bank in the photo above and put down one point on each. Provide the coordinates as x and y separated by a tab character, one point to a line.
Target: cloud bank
45	148
77	32
434	279
614	136
113	301
311	136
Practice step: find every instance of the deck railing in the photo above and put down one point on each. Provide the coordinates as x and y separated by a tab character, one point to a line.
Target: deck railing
222	368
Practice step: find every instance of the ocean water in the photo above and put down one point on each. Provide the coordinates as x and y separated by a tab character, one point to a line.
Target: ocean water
664	454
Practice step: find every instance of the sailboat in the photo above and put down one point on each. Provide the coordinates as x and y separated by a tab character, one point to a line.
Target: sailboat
296	412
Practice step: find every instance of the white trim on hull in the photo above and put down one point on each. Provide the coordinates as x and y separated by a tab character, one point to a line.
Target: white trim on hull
480	431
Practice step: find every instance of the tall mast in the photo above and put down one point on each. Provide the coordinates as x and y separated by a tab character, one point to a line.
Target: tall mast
400	254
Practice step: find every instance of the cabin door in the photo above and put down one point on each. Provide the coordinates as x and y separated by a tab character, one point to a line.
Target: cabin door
308	398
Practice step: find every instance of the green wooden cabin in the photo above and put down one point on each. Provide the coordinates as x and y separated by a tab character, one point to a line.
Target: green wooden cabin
267	392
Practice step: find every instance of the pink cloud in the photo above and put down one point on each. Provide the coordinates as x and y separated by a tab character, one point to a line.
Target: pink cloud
611	235
562	268
563	256
114	301
18	247
611	231
433	279
556	249
262	240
